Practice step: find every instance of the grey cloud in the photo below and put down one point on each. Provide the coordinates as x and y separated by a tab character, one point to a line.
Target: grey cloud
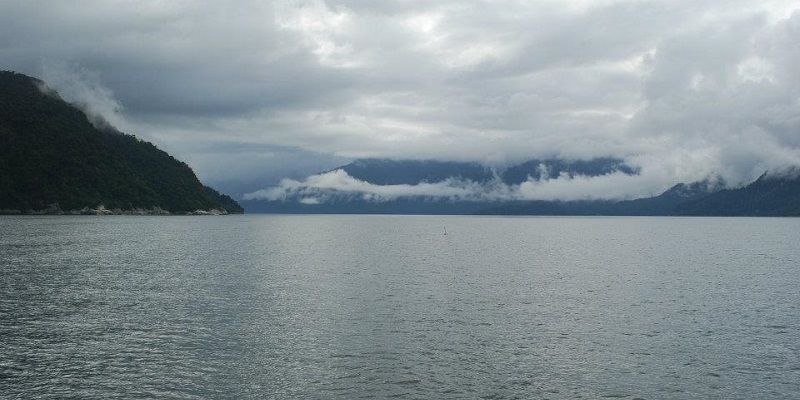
685	90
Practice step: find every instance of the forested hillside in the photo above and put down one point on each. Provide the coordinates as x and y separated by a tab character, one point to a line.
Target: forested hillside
51	154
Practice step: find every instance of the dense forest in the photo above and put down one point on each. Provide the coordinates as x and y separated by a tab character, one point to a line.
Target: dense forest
51	155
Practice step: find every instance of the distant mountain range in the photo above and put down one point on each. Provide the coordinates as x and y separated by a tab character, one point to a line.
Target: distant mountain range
412	172
54	160
770	195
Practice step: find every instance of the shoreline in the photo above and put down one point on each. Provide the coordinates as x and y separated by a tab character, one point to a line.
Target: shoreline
102	210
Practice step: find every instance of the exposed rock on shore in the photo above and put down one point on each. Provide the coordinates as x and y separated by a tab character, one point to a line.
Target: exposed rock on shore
55	209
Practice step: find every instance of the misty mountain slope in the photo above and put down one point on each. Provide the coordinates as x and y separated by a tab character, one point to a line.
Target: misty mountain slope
410	172
538	169
769	195
778	197
420	186
663	204
666	203
50	153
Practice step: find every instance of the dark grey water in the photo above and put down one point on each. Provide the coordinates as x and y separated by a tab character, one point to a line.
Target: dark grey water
386	306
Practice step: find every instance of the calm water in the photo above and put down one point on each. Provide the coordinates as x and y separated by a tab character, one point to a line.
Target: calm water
386	306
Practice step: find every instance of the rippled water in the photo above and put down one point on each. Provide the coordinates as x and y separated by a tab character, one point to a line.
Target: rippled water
388	306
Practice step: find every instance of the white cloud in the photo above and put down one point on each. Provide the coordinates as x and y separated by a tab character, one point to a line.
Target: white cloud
319	188
82	88
339	181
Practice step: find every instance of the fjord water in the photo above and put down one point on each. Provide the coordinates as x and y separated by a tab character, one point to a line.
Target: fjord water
387	306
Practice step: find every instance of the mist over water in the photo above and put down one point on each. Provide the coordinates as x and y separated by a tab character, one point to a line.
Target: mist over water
378	306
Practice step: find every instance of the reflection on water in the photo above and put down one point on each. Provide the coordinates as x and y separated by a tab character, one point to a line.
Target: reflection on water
379	306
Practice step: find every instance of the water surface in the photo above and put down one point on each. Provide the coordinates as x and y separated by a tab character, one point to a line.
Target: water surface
387	306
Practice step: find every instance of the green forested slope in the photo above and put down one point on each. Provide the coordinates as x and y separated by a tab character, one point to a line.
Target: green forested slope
51	153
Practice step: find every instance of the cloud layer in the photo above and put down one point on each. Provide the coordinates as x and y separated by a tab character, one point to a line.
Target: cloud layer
338	185
684	90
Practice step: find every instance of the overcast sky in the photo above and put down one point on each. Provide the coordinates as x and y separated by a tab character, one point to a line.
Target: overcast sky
252	91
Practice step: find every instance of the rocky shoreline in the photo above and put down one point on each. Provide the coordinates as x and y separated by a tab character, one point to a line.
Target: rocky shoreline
54	209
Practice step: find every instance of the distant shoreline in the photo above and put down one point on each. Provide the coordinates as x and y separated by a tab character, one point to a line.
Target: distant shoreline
102	211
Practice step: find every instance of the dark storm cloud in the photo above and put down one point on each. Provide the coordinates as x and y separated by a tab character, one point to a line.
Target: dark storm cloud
683	89
175	58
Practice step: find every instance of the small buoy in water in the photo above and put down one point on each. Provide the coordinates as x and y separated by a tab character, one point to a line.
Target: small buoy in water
445	231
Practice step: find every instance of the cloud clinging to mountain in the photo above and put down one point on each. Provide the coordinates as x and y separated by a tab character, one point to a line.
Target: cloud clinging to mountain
338	184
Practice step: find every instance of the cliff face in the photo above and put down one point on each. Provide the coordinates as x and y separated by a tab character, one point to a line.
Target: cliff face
53	158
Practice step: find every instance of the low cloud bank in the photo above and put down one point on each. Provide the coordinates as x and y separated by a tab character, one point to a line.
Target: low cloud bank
338	184
318	188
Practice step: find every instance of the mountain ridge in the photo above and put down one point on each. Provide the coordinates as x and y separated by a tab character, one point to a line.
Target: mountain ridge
381	171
